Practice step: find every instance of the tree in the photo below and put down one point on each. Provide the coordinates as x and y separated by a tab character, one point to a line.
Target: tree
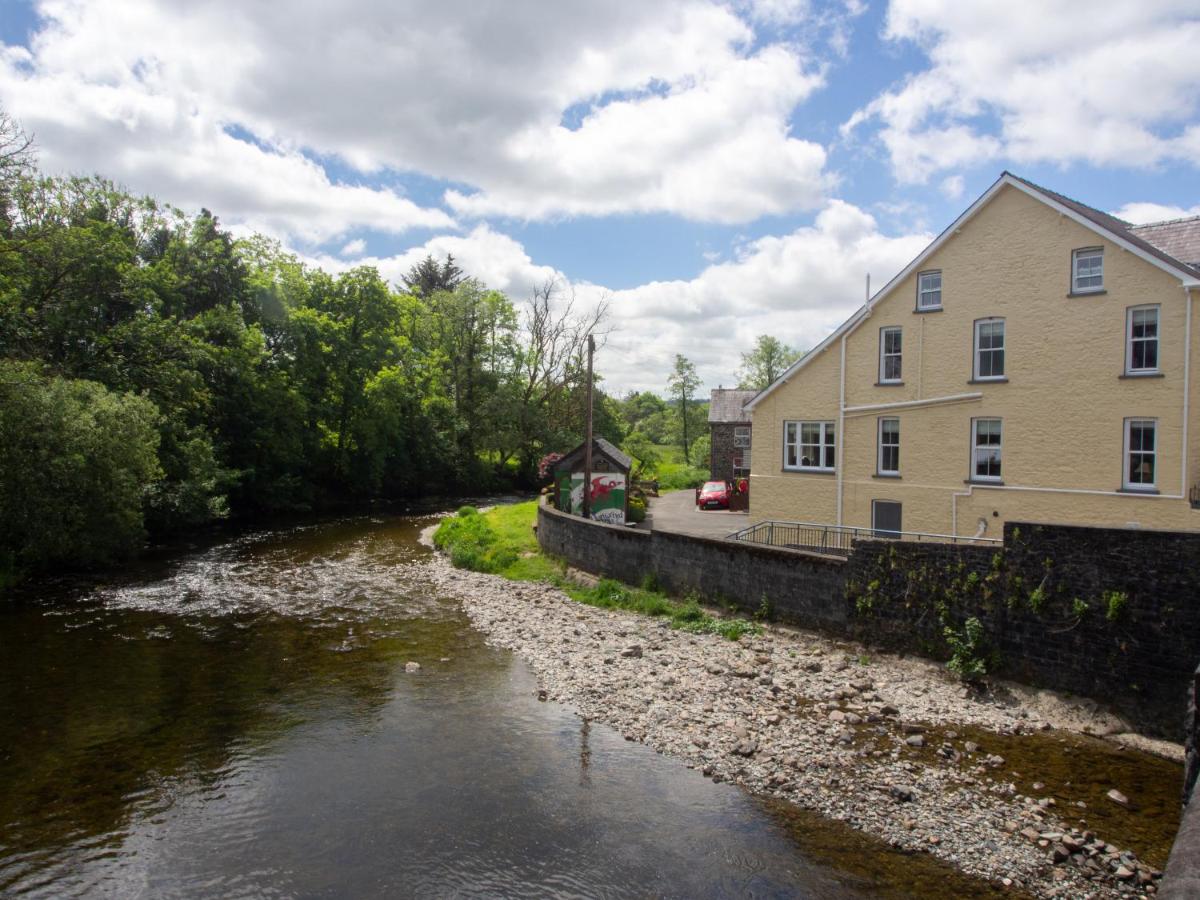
681	385
427	277
765	363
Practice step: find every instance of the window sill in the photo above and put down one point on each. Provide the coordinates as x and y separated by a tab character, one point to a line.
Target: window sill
984	482
1145	492
1003	379
788	471
1142	375
895	476
929	309
1098	293
889	384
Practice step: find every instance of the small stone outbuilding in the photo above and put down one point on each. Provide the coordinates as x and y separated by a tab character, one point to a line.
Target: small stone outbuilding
609	487
729	426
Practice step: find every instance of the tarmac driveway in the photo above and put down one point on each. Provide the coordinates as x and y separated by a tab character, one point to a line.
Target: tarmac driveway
677	512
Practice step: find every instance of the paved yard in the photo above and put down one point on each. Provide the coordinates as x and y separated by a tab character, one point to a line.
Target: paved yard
677	512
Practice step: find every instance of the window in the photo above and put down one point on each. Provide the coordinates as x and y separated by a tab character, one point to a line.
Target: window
889	447
741	437
1141	339
985	449
929	290
889	355
1087	270
808	445
1140	452
989	349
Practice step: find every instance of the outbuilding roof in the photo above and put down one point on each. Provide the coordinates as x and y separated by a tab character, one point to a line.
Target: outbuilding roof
1178	237
598	443
728	405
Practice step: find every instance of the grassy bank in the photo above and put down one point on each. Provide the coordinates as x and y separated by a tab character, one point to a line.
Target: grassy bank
501	542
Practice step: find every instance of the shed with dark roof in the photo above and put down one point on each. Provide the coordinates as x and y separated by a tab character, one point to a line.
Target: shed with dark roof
609	482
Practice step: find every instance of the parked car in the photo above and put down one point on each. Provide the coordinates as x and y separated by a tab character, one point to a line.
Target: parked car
713	495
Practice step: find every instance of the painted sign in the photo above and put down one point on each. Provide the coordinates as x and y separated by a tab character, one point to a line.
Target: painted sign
607	494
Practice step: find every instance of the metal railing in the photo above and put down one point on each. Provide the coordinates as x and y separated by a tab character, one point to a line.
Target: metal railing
839	539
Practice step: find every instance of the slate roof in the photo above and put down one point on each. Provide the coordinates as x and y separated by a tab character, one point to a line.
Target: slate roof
725	405
1178	237
1119	227
598	443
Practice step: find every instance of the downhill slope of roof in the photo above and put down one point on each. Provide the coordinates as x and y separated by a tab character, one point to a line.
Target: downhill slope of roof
1117	230
727	405
1178	237
598	443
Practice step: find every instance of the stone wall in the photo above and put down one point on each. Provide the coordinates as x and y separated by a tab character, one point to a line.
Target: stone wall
723	450
1110	614
1181	879
1103	612
805	588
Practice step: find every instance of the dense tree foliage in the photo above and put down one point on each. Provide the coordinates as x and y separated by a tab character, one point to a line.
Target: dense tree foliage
765	363
156	374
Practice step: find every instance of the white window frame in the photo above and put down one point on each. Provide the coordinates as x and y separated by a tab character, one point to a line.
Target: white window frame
741	437
922	291
1130	340
1127	453
1003	348
884	355
827	444
879	469
1088	253
976	447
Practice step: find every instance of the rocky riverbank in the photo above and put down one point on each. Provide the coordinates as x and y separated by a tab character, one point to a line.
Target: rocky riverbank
874	742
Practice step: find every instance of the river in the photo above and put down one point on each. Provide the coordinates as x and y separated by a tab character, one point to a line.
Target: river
237	721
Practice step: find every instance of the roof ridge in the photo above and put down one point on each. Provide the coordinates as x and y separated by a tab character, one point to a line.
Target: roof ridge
1166	222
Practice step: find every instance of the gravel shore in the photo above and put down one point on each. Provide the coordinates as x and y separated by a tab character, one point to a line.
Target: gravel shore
792	715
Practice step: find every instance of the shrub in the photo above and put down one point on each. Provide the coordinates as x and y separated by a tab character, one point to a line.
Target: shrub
967	659
637	509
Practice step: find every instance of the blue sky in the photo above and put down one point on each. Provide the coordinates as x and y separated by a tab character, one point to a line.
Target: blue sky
714	171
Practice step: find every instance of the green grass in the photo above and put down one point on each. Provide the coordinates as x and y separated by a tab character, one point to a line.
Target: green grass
501	542
673	473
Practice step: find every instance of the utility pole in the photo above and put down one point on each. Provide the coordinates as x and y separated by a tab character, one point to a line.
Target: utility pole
587	441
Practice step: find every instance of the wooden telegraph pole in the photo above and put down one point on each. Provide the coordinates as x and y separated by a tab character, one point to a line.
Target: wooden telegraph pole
587	441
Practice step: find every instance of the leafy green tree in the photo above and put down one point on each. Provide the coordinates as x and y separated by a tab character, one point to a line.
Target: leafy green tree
765	363
681	385
76	460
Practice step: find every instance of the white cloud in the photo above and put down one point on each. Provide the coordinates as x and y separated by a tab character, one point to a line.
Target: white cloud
1141	213
1104	84
355	247
953	186
536	110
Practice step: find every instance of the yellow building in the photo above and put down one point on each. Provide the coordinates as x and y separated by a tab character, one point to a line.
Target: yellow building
1037	362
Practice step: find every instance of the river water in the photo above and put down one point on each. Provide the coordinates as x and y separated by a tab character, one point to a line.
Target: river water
237	721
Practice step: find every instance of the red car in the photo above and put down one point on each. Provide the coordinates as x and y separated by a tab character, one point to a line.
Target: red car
714	495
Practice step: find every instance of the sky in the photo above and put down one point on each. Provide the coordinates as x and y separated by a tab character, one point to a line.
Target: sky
714	171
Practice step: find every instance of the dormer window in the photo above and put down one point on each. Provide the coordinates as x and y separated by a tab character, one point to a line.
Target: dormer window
1087	271
929	291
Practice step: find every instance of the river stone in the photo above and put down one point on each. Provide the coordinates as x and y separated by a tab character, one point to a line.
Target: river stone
1118	798
915	741
412	667
634	652
746	747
